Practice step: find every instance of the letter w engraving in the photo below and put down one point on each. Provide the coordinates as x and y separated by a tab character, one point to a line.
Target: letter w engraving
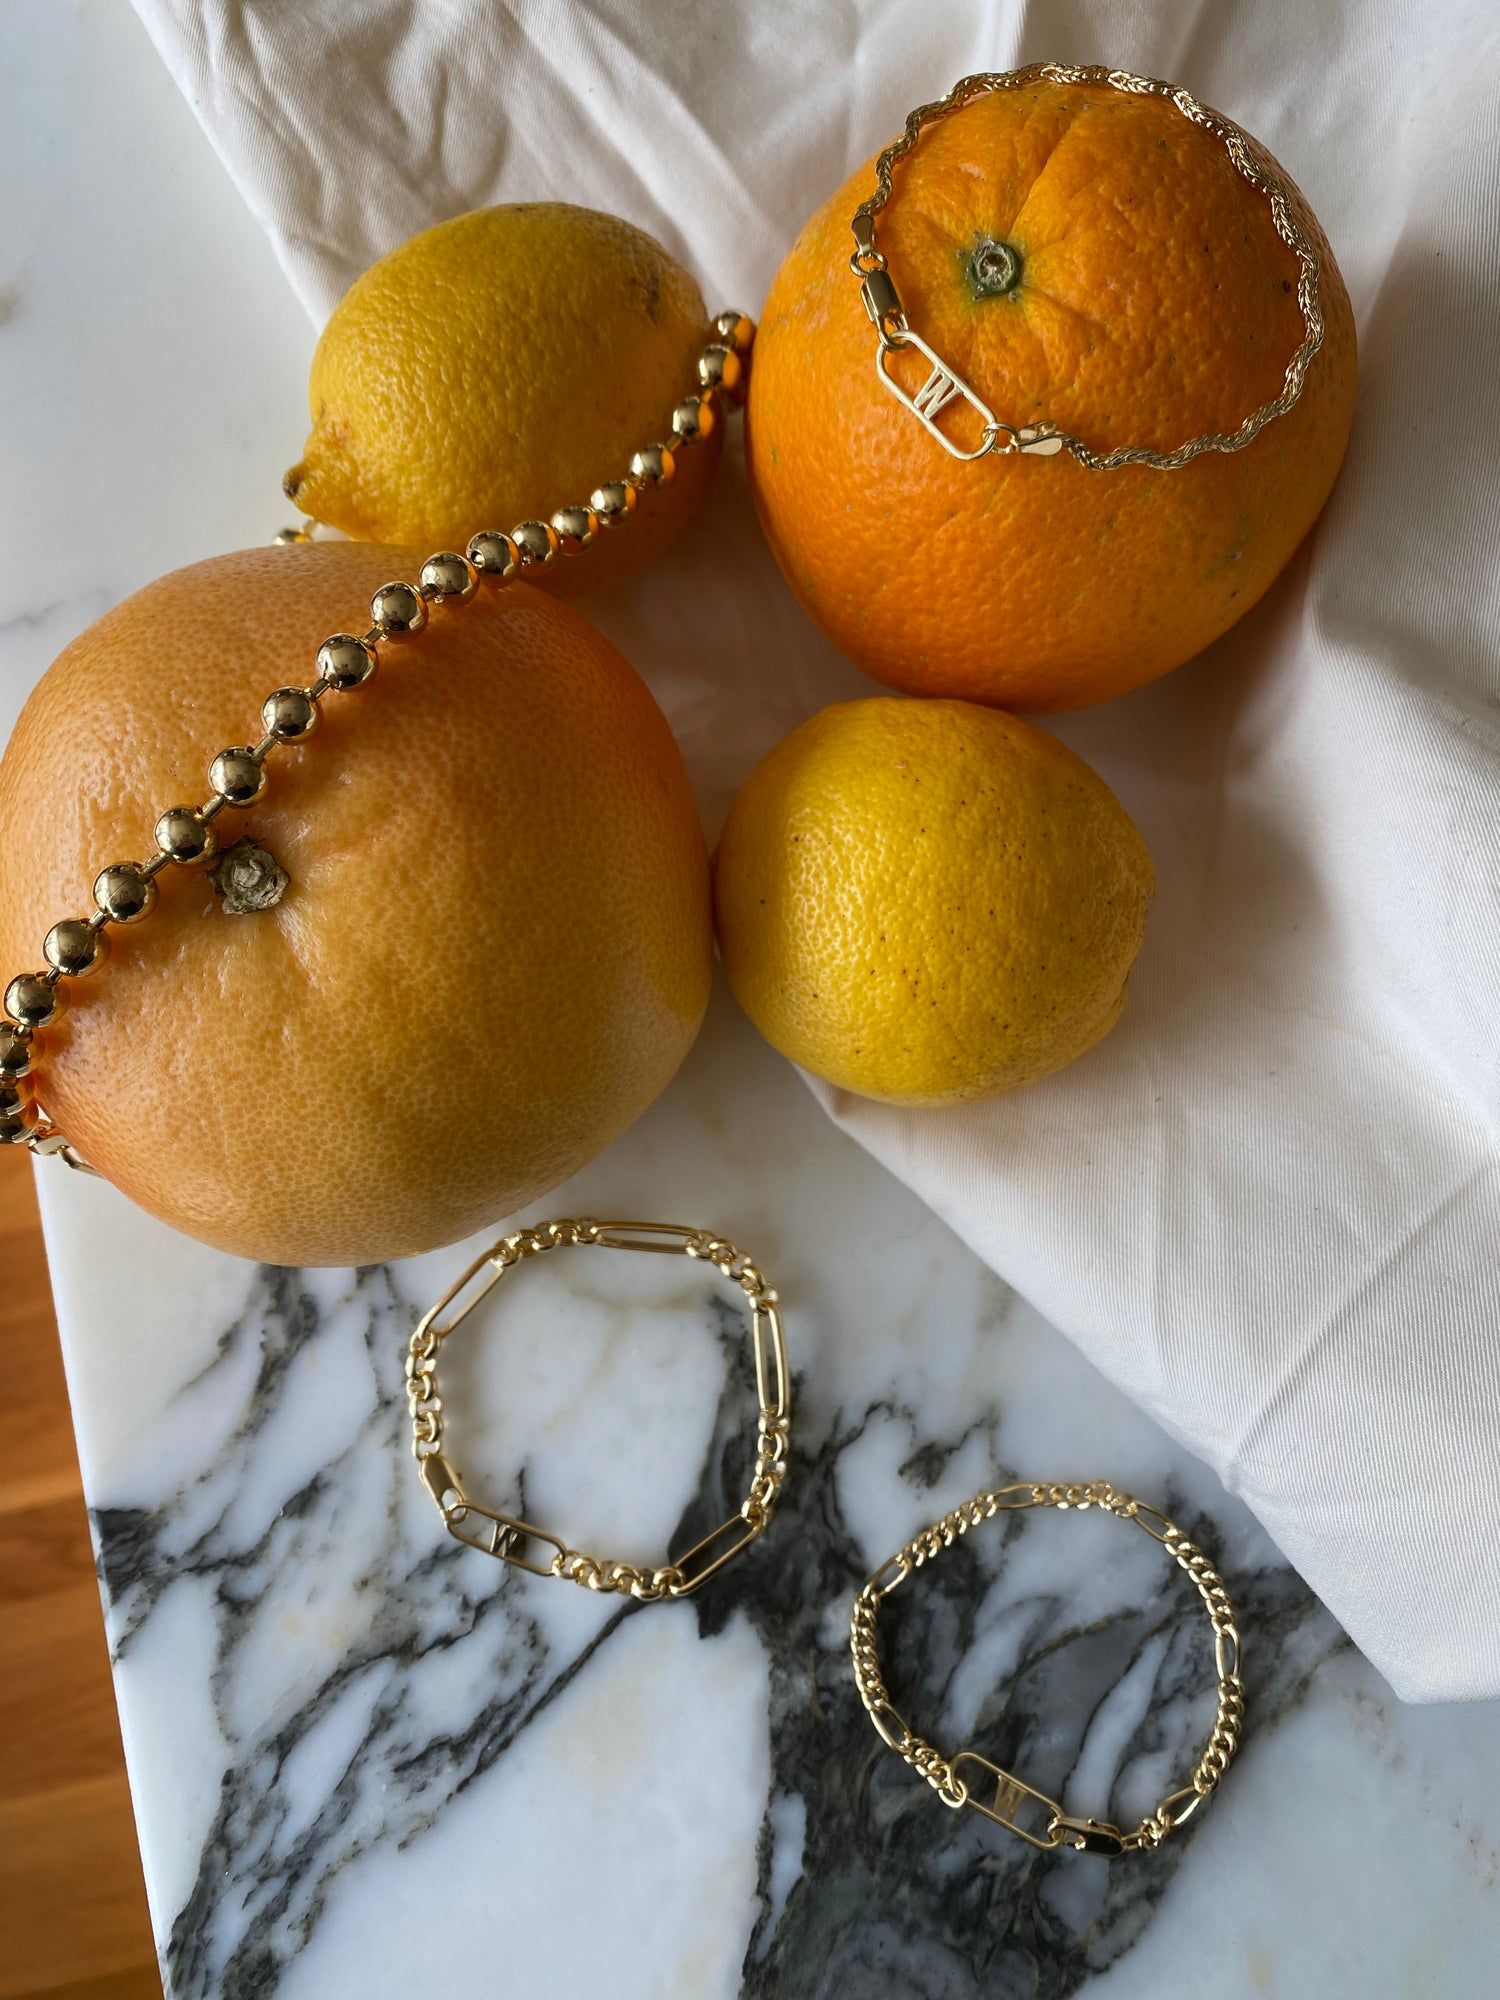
975	433
935	394
1009	1799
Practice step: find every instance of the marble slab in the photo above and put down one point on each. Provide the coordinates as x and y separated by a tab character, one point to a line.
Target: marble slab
365	1756
368	1761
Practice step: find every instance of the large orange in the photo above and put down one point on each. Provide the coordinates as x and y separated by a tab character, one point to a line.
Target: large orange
494	951
1154	302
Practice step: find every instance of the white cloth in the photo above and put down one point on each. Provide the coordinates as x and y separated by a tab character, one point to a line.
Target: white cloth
1268	1206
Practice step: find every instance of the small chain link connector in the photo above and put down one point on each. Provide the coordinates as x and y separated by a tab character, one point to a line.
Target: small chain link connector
515	1541
992	1791
866	257
944	387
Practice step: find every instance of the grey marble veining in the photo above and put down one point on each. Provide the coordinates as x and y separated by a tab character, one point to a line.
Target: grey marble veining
1098	1657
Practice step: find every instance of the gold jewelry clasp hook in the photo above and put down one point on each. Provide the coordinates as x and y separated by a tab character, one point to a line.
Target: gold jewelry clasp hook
1089	1836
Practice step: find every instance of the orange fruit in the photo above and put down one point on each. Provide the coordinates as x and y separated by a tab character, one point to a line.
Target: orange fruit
502	365
494	950
1146	299
928	902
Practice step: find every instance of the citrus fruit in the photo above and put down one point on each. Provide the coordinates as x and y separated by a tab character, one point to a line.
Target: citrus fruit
928	901
492	951
1077	255
498	367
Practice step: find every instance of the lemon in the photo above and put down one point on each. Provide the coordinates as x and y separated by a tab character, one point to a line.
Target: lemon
927	901
498	367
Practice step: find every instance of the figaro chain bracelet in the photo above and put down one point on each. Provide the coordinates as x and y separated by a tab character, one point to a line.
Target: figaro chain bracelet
126	893
970	1779
517	1542
944	386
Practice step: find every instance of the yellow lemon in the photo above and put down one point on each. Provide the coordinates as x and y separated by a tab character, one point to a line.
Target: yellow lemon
501	366
928	901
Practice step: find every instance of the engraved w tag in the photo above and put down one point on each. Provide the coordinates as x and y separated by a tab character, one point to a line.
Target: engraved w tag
1009	1799
972	429
1014	1801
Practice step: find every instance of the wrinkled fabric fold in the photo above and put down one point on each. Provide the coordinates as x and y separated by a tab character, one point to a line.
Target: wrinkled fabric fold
1268	1205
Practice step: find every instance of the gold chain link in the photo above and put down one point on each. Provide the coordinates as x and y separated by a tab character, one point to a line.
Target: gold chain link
126	891
1011	1800
945	387
508	1537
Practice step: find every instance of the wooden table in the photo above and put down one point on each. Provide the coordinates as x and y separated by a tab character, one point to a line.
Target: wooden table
72	1905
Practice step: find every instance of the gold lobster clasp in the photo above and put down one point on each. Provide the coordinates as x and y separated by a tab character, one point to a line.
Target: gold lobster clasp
1089	1836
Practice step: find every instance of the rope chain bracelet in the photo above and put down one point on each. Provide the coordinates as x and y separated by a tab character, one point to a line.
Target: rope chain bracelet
944	386
1011	1801
126	892
515	1541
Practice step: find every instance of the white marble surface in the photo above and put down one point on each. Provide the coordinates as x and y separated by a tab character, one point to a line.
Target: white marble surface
364	1758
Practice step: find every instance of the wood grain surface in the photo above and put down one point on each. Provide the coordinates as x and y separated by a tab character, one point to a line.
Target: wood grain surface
73	1923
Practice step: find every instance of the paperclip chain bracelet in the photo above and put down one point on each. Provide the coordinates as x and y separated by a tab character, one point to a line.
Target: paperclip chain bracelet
511	1539
126	892
1012	1800
944	386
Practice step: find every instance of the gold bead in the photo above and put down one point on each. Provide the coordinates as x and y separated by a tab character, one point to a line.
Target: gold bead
736	330
75	948
344	661
536	542
16	1131
613	503
653	466
398	610
15	1051
576	527
721	368
237	776
289	715
694	419
125	893
447	577
14	1102
184	836
286	538
32	1000
494	555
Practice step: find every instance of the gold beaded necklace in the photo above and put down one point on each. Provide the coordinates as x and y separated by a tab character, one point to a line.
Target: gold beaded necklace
125	892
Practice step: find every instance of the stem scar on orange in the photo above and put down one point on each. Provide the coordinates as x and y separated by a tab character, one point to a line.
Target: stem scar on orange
1086	257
